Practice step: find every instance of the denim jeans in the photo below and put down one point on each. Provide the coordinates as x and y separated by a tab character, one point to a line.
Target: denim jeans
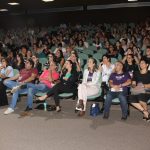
123	102
33	89
10	84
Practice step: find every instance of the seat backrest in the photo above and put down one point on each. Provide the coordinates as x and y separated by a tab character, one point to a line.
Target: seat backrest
83	56
114	60
43	61
98	56
88	52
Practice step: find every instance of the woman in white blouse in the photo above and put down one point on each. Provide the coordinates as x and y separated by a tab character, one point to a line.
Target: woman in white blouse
89	86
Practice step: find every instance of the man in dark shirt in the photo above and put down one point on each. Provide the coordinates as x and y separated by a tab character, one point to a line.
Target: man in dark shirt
118	81
26	75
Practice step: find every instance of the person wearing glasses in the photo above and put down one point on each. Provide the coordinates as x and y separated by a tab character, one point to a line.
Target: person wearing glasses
18	83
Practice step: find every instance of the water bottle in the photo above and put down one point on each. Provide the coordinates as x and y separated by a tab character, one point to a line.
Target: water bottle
45	106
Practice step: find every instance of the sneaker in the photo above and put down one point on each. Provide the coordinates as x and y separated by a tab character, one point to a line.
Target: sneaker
8	111
16	88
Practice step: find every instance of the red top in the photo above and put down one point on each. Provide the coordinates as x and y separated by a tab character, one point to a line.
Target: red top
25	74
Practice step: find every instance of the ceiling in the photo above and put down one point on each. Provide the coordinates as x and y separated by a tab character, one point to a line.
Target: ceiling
28	5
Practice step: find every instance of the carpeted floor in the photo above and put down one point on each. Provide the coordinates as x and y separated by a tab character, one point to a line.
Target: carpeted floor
65	131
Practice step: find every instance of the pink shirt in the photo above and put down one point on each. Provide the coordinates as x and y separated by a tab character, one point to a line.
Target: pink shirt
44	76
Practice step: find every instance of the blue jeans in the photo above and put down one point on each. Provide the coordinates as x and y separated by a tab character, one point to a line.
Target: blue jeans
123	102
10	84
33	89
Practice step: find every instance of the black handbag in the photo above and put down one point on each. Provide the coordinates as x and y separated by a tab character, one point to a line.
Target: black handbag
48	107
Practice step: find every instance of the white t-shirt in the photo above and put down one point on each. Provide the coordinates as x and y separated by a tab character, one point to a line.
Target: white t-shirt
106	72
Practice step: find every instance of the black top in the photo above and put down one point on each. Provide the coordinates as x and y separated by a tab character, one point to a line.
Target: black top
143	78
39	67
72	80
131	68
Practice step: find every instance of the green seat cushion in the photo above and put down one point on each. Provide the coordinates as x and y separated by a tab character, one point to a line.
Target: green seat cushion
66	95
116	101
39	94
94	96
148	102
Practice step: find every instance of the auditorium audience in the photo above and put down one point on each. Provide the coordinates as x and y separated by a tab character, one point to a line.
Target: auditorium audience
54	46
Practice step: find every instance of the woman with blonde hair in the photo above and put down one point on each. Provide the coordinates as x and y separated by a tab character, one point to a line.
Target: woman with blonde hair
90	85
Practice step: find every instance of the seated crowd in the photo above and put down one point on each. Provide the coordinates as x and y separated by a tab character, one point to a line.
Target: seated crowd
115	63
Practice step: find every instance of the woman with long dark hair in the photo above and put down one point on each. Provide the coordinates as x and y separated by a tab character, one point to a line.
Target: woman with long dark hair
51	58
141	84
60	58
130	64
19	62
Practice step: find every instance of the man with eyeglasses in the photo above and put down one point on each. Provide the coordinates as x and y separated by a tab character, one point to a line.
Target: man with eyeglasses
18	83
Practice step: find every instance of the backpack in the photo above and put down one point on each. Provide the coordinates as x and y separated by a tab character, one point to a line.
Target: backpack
94	109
